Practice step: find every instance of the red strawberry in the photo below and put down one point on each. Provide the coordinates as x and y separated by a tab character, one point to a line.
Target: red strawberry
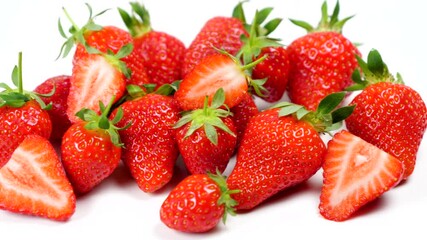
321	61
161	52
212	73
197	203
388	114
220	32
207	137
279	150
150	150
355	172
242	113
91	149
21	113
275	69
93	38
58	115
33	182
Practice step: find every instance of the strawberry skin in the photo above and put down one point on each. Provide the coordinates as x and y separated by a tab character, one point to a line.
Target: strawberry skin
192	206
33	182
94	79
88	156
220	32
200	155
275	68
392	117
58	113
275	153
321	63
242	113
212	73
16	123
355	172
150	149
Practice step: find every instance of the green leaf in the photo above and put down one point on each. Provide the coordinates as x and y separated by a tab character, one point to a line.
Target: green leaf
262	15
342	113
93	27
61	30
238	12
272	25
118	116
211	133
217	122
375	62
15	76
6	87
330	102
302	24
124	51
290	109
218	99
104	122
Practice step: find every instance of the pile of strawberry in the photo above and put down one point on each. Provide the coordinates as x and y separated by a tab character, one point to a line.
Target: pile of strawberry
142	97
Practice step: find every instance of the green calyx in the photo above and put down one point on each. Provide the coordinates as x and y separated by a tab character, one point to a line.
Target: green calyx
138	22
95	121
327	116
209	118
327	22
373	71
18	97
225	198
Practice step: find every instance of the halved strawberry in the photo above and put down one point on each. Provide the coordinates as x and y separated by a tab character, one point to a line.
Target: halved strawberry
212	73
355	172
94	79
33	182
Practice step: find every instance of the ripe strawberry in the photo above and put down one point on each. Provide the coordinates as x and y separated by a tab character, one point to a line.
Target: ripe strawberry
96	39
161	52
242	113
150	149
220	32
91	149
58	115
275	69
321	61
388	114
216	71
355	172
197	203
33	182
21	113
279	150
207	137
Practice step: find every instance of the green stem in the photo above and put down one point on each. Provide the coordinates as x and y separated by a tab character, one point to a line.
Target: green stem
71	20
254	63
20	87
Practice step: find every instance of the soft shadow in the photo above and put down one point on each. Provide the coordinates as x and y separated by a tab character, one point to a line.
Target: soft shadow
372	207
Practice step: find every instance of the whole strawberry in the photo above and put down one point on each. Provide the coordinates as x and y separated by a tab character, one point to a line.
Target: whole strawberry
33	182
220	32
91	149
321	61
149	146
388	114
161	52
58	100
198	203
281	147
207	137
21	113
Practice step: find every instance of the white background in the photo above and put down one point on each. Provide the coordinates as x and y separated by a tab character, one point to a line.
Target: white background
118	209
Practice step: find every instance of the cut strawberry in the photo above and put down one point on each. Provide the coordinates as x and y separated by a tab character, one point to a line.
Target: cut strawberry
355	172
94	79
214	72
33	182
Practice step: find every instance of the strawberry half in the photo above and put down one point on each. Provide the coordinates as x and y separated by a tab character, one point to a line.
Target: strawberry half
355	172
33	182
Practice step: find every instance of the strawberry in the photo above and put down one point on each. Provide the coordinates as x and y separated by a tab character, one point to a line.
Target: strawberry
220	70
281	147
150	149
355	172
91	149
21	113
242	113
58	114
161	52
198	203
275	69
220	32
93	38
207	137
322	61
388	114
33	182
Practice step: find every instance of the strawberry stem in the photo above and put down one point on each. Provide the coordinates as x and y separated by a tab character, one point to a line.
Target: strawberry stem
75	26
20	87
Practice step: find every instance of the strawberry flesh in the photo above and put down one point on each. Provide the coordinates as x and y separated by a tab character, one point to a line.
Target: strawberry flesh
355	172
